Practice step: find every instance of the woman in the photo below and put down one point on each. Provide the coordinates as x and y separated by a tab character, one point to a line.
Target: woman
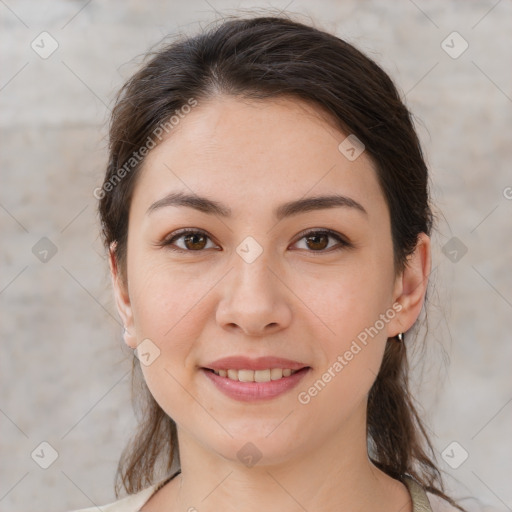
267	217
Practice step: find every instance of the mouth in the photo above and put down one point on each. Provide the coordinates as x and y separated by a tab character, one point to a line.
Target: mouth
247	385
265	375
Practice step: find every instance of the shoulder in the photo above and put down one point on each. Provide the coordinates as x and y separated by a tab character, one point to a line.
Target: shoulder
470	504
132	503
423	501
438	504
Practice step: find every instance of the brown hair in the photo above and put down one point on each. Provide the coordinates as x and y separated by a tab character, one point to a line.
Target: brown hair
270	57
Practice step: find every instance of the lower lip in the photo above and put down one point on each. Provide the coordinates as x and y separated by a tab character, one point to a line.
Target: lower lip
252	391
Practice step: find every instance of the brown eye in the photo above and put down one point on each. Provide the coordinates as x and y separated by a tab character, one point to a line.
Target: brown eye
319	240
191	241
195	241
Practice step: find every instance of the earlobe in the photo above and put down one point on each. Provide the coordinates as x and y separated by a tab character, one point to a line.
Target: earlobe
411	286
122	299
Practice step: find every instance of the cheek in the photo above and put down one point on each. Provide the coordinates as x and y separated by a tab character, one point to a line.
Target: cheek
351	340
162	298
354	308
168	310
350	299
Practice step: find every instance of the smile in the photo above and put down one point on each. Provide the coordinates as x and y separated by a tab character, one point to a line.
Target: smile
254	385
256	375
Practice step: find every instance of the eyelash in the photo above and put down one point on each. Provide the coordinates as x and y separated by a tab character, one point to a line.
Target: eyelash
168	242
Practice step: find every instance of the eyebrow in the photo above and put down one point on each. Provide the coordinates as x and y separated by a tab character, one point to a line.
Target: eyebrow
211	207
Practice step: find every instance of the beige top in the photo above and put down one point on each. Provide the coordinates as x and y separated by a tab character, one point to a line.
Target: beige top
421	500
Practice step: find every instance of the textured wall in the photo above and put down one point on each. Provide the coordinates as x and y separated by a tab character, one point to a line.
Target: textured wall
64	370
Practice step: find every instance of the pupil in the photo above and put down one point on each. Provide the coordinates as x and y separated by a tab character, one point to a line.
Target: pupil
190	239
316	237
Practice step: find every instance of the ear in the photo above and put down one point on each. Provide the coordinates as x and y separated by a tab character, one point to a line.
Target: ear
122	299
411	286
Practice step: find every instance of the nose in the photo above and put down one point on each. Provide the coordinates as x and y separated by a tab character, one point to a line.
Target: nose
254	299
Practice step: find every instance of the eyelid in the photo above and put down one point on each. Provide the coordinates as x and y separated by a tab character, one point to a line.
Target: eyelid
343	242
166	242
323	231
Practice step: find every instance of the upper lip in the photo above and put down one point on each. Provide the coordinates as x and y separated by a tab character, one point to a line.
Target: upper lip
259	363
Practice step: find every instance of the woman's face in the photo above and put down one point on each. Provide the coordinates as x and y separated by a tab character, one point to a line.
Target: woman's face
254	284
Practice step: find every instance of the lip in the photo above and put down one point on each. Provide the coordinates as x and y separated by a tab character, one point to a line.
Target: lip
255	391
259	363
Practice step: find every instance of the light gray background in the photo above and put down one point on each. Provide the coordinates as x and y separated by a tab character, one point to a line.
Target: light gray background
65	373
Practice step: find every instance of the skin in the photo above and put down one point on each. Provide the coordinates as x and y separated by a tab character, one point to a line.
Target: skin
300	301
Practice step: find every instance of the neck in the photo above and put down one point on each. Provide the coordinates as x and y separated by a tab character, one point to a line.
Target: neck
332	475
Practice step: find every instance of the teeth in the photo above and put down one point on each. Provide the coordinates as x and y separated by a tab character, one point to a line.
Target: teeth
276	373
256	375
245	375
262	376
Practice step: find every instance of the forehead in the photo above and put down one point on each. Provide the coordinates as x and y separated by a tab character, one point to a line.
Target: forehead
254	151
